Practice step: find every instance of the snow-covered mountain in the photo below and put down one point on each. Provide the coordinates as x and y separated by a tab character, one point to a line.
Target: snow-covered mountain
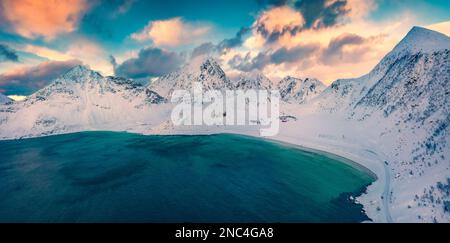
419	43
208	72
253	80
408	105
81	99
421	40
402	106
299	90
397	114
4	99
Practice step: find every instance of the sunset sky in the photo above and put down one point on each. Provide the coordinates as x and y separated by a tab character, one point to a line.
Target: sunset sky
325	39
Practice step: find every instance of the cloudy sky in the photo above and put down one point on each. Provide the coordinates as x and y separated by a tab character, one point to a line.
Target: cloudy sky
325	39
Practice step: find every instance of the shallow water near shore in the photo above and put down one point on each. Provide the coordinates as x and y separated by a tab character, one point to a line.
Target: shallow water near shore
122	177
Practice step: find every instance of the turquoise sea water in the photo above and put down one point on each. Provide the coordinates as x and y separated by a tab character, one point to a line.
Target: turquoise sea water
121	177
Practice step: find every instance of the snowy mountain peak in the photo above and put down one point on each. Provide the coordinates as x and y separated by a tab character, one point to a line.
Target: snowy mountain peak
207	71
253	80
419	42
81	73
210	68
420	39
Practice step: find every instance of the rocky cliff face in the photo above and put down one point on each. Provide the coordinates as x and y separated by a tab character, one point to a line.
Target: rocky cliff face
299	90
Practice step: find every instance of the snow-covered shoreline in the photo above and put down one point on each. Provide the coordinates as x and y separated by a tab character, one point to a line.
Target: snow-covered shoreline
370	199
375	207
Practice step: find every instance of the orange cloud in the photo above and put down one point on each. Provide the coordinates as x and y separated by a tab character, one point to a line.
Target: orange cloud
171	32
45	52
280	18
349	49
89	52
31	18
443	27
36	77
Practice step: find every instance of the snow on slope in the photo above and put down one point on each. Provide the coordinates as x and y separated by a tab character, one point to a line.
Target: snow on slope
208	72
253	80
402	106
4	99
81	99
344	93
422	40
298	90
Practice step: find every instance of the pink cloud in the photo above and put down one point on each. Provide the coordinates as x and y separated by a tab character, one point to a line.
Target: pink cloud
31	19
36	77
172	32
348	46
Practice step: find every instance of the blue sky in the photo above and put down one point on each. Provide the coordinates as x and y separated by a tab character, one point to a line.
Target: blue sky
429	11
325	39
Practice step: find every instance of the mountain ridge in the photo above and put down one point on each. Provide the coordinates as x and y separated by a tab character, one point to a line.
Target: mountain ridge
423	40
208	73
299	90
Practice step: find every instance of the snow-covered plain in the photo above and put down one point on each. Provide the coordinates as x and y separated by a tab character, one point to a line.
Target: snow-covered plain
392	121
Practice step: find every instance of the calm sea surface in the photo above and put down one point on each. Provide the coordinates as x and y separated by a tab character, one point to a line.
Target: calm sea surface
121	177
